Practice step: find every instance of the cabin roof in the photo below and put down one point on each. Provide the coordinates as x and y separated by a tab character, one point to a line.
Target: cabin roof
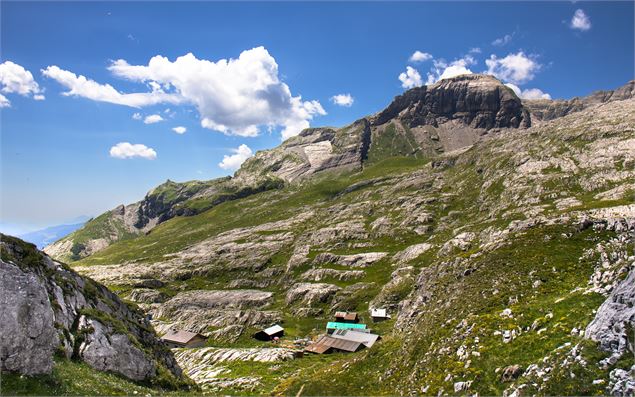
334	325
325	342
182	337
378	313
350	316
367	339
274	329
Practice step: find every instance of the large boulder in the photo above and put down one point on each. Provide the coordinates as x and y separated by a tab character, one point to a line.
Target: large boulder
614	318
28	336
47	308
107	350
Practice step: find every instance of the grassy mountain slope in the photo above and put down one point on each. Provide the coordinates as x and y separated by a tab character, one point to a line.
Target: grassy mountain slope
462	236
492	237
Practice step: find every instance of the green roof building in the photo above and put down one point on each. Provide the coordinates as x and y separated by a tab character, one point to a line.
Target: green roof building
331	326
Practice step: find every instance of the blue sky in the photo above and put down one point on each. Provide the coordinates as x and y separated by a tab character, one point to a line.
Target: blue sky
60	155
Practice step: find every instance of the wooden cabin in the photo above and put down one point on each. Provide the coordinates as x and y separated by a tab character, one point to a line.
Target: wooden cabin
346	317
270	333
176	339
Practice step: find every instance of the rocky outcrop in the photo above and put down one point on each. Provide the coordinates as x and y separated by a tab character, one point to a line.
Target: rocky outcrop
227	299
48	309
105	349
162	203
197	311
211	355
147	295
311	293
206	365
614	319
547	109
355	260
477	101
312	151
321	274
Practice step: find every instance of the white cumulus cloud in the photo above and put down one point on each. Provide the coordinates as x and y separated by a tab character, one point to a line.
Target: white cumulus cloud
80	86
14	79
410	78
233	162
126	150
153	118
137	116
235	96
580	20
443	70
343	100
514	68
179	130
530	93
419	56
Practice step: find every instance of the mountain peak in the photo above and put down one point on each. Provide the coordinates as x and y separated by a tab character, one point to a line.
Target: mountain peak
474	100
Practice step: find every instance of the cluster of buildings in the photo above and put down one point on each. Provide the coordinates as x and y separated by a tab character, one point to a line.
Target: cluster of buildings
345	334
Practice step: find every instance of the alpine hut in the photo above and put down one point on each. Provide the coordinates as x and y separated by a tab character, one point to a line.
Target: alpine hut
379	315
270	333
183	339
346	317
327	344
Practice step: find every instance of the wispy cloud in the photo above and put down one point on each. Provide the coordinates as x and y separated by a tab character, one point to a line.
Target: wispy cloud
502	41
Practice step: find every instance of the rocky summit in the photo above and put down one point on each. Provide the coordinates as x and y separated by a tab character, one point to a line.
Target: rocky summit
497	233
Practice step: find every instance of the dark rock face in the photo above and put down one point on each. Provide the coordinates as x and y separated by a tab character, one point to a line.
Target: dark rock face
477	101
47	308
161	203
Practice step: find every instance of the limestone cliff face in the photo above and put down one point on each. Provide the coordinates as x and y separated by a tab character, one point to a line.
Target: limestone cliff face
46	309
313	151
461	105
477	101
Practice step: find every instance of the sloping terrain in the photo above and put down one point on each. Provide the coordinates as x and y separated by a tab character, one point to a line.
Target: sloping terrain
160	204
502	248
423	121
